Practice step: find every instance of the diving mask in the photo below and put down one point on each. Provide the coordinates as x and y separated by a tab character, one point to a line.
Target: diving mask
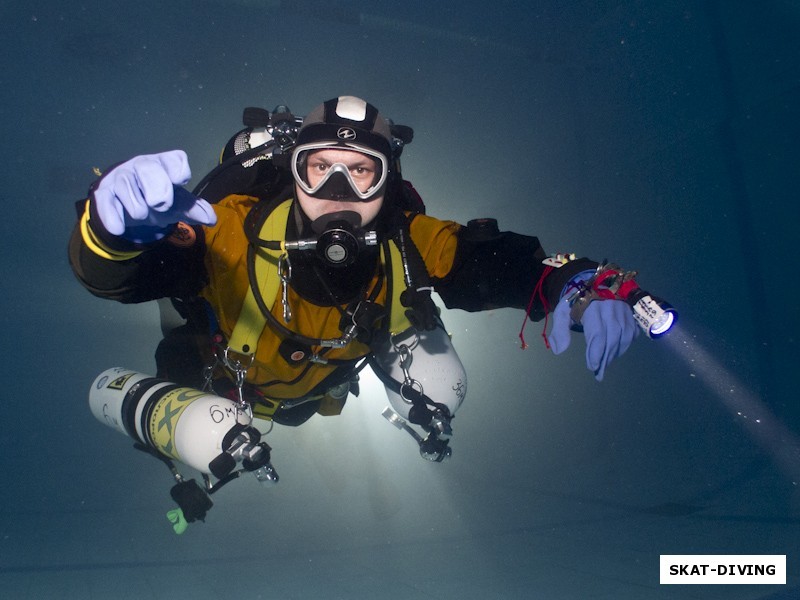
329	171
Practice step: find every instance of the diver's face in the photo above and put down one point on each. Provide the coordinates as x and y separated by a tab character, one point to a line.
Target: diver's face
362	173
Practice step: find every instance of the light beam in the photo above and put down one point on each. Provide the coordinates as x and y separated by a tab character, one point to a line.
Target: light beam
745	406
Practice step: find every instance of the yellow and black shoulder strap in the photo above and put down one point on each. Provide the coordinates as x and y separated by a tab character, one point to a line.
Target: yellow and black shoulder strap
251	321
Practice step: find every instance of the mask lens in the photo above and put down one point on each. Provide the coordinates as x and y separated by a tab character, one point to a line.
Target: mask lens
339	174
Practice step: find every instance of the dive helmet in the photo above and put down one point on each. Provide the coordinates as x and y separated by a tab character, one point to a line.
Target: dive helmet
346	123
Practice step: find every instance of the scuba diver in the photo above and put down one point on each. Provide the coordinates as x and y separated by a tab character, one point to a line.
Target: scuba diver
301	258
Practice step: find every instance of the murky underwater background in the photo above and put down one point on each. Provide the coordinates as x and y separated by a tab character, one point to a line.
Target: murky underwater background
660	135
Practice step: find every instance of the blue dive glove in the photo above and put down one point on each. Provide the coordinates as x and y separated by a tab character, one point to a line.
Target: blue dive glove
608	326
141	199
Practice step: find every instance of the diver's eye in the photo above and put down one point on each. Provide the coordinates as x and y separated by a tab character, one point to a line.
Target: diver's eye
361	171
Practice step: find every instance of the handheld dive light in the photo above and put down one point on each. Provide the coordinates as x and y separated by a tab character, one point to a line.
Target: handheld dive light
654	315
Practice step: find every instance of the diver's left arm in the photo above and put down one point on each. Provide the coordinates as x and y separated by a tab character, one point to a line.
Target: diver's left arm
475	269
478	268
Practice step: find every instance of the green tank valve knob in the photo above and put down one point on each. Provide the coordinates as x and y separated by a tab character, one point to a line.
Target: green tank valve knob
177	519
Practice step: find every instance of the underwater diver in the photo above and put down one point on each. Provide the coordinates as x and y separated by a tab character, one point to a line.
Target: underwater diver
288	291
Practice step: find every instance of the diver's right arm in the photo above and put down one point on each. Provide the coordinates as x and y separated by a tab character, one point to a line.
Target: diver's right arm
124	246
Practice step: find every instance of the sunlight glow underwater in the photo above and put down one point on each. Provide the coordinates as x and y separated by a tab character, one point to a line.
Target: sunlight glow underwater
745	406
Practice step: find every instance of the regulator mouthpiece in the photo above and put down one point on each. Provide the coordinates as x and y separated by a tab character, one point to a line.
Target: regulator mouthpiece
339	238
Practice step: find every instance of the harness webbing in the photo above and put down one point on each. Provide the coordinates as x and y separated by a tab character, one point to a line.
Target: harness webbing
252	321
398	322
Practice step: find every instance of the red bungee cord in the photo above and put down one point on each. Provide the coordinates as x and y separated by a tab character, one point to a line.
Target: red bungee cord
537	291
